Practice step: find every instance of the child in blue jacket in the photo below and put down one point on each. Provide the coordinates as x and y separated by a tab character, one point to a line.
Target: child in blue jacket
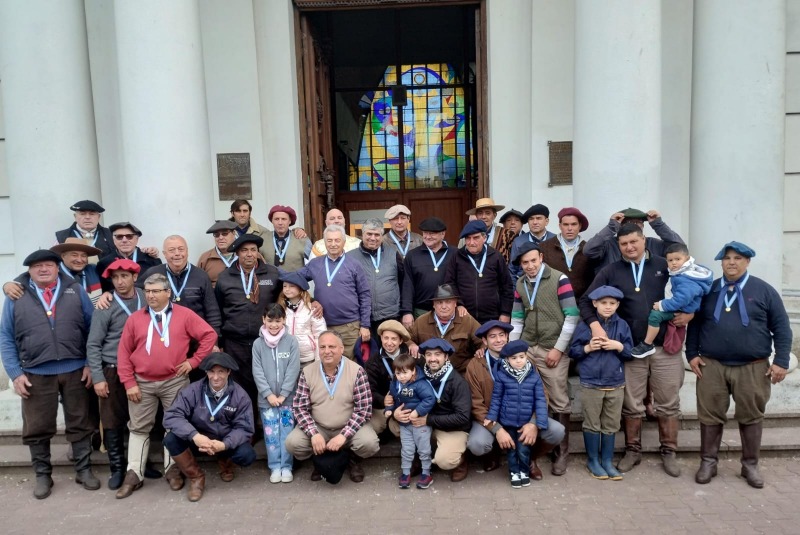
411	389
517	399
600	366
689	282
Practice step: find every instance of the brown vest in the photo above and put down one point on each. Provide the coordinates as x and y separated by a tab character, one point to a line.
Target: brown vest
331	413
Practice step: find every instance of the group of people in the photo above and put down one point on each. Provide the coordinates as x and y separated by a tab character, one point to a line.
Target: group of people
325	349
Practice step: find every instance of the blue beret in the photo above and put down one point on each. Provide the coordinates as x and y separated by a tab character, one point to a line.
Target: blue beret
526	247
606	291
437	343
512	348
293	278
484	329
737	246
473	227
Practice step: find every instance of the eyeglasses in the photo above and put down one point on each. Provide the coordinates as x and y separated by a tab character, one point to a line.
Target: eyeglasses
155	291
222	233
121	237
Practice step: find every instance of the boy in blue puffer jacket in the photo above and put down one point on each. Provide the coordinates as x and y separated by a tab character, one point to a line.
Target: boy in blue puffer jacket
517	399
600	366
688	283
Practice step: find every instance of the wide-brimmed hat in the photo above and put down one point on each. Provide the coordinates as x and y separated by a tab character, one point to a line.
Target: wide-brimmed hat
445	291
485	202
75	244
396	327
571	210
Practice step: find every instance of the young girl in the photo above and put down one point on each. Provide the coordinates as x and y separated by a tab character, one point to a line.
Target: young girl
276	368
299	321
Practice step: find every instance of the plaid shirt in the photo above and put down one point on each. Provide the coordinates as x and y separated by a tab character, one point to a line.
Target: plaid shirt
362	405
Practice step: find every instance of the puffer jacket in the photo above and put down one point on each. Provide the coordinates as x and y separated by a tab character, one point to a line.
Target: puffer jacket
689	284
306	328
514	403
601	368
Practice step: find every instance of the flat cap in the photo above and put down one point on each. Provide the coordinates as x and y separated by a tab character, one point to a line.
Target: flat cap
484	329
512	348
737	246
293	278
606	291
219	359
395	327
571	210
121	263
87	206
75	244
526	247
246	238
41	255
223	224
437	343
473	227
633	213
536	209
396	210
512	213
433	224
125	224
286	210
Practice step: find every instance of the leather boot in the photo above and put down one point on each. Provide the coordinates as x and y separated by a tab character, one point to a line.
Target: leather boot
492	460
174	477
710	440
751	446
562	450
187	464
226	469
129	485
540	449
633	445
356	470
607	456
83	464
592	443
461	471
40	459
668	436
114	440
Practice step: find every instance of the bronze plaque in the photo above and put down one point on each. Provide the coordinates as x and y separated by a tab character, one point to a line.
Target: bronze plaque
233	172
560	163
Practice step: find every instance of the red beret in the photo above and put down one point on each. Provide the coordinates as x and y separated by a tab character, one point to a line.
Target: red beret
286	209
121	263
570	210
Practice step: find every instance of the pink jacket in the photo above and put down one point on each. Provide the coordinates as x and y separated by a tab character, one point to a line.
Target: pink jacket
306	329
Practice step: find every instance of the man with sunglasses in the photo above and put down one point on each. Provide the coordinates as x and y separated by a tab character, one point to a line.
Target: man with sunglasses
126	245
221	256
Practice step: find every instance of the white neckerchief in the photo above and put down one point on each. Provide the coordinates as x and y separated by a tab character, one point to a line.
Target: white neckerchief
166	316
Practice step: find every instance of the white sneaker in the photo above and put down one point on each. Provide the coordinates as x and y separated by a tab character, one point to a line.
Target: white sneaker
286	475
275	477
516	480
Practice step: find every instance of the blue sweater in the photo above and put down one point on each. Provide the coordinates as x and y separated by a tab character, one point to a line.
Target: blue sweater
514	403
601	368
348	298
417	394
732	343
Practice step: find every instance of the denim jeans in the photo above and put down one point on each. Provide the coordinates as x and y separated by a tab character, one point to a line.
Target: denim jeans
278	423
519	458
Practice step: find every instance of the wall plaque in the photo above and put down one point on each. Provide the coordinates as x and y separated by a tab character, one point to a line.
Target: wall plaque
233	172
560	163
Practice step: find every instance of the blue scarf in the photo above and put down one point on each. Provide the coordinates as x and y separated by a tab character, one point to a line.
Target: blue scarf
737	287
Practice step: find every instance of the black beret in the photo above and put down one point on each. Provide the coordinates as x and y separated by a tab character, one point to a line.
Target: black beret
219	359
125	224
433	224
527	247
42	255
536	209
512	212
87	206
246	238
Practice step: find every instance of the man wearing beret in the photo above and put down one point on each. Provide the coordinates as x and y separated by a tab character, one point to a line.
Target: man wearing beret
424	270
480	276
87	228
512	222
602	247
450	416
399	236
728	345
153	366
43	346
101	355
126	245
332	406
282	249
564	252
220	257
546	314
486	211
537	217
642	277
480	377
211	417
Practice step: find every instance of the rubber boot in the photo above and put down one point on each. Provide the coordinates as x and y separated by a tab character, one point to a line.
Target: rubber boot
710	440
592	443
633	445
751	446
607	456
540	449
197	478
562	450
82	450
40	459
356	470
668	436
114	440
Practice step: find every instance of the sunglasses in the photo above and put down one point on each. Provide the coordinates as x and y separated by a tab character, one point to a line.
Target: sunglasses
223	233
121	237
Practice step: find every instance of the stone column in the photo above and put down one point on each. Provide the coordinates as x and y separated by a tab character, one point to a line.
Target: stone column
51	148
617	140
164	120
737	168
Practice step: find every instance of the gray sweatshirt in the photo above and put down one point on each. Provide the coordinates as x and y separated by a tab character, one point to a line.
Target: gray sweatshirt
105	333
276	371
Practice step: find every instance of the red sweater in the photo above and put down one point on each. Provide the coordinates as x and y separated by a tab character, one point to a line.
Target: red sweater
160	364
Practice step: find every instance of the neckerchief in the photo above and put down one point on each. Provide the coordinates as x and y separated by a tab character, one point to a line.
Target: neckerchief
738	285
163	331
87	235
50	308
519	375
443	328
81	274
227	259
441	377
280	253
570	249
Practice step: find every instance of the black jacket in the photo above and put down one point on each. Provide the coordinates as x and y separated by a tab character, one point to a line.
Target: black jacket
241	318
453	411
487	297
378	375
420	280
145	262
104	241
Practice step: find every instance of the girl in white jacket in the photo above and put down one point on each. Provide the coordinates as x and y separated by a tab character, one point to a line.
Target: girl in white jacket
299	319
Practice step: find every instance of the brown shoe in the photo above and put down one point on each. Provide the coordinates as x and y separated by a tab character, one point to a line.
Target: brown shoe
129	485
461	471
356	470
197	478
492	460
174	477
561	452
315	475
540	449
226	469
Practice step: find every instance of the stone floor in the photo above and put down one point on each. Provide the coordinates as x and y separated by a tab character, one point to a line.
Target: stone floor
647	501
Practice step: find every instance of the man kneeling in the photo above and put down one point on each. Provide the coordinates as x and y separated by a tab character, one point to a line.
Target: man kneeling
213	417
